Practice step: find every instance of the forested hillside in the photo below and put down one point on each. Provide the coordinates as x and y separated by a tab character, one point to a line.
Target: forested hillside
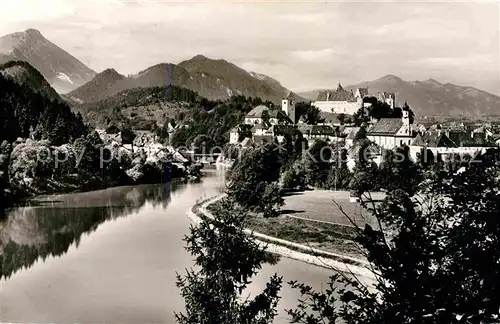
26	112
195	116
213	125
141	108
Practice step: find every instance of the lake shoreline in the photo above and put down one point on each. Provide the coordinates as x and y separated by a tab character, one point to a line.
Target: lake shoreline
290	249
25	200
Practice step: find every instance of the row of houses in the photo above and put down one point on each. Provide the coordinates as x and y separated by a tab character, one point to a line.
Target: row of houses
264	125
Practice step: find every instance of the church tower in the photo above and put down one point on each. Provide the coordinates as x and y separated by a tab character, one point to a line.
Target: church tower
406	120
288	106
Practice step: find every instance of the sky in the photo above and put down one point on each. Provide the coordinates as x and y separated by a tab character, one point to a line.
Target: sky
303	44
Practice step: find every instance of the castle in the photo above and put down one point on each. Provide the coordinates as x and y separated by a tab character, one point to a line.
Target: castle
341	101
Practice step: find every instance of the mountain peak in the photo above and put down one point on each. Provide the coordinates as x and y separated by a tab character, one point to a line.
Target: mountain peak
63	71
390	78
33	32
199	57
432	82
111	72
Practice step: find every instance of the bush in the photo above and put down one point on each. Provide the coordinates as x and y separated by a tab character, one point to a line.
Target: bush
294	177
271	200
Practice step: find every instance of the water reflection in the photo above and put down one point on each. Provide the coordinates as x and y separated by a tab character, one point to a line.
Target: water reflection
50	228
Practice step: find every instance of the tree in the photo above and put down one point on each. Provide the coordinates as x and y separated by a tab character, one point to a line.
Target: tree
294	176
361	134
317	162
339	175
435	258
308	113
265	118
251	173
128	135
425	158
112	129
202	144
272	200
341	118
365	173
226	259
398	171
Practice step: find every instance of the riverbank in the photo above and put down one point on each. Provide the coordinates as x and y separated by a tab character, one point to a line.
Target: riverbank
20	199
293	250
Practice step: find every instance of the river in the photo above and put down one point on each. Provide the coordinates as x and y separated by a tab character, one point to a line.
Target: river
110	256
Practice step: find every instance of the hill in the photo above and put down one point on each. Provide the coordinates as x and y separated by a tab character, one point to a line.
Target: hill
212	79
100	87
30	107
432	98
141	108
24	74
63	71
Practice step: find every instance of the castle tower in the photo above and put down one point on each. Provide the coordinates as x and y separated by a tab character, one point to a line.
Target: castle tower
406	121
288	106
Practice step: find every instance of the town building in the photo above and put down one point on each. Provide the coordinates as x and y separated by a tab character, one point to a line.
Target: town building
239	132
341	101
288	107
263	115
318	132
388	97
447	144
350	135
389	133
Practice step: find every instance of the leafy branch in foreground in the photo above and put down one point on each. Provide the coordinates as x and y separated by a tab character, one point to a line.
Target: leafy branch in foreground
226	259
436	258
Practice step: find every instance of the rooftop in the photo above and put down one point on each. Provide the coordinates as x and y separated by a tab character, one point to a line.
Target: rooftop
336	95
326	130
257	111
433	139
386	126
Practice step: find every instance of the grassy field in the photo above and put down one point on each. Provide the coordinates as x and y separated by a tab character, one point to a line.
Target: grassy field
312	218
326	205
323	236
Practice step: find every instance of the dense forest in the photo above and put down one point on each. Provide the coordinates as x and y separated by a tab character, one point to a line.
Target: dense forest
25	112
141	108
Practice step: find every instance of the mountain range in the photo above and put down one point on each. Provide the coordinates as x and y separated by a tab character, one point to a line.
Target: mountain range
212	79
431	97
219	79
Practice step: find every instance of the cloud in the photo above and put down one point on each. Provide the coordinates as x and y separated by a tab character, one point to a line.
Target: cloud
302	44
313	55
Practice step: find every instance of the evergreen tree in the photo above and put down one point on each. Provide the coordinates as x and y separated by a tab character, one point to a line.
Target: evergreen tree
226	260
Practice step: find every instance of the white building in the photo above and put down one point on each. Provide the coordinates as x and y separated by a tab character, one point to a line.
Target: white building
318	132
288	107
448	144
389	133
341	101
261	113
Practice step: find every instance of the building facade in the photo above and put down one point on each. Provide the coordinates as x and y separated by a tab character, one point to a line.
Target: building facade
263	114
341	101
389	133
